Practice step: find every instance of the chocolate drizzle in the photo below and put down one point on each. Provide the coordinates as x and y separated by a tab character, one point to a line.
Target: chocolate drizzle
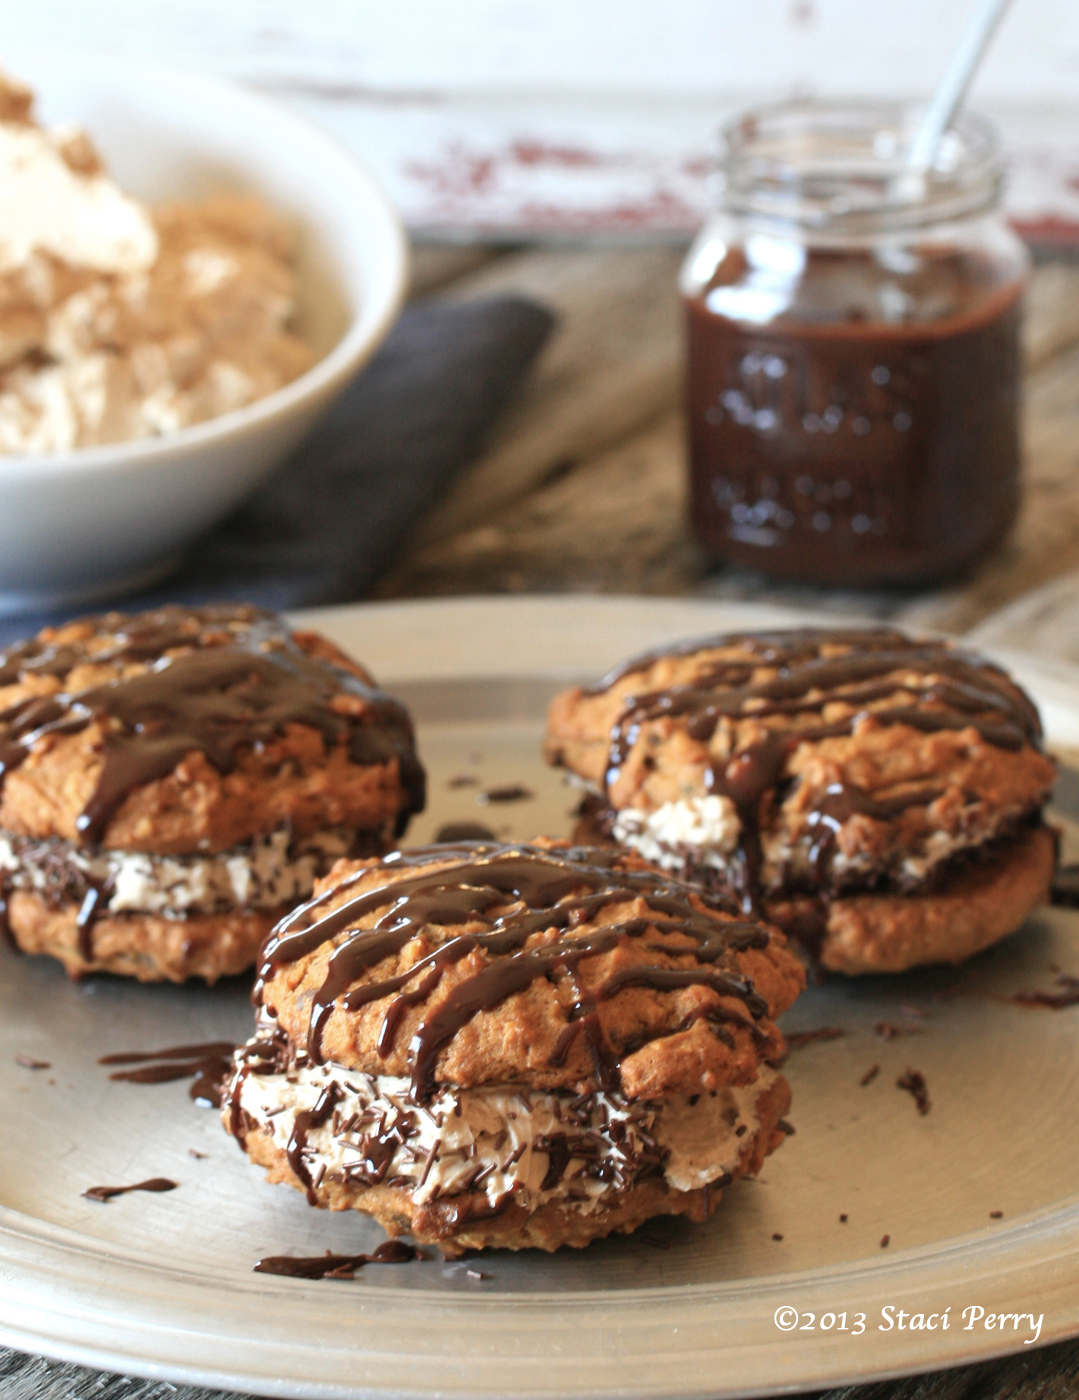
238	679
515	892
925	684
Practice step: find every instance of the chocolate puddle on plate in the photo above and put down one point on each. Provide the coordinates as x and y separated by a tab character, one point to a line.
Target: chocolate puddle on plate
206	1064
338	1266
106	1193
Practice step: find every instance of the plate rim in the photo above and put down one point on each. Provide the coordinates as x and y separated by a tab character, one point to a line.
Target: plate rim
38	1279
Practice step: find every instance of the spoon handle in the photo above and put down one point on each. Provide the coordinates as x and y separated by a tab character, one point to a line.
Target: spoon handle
953	85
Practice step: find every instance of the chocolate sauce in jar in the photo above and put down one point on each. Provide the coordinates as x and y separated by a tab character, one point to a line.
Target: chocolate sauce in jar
853	351
834	448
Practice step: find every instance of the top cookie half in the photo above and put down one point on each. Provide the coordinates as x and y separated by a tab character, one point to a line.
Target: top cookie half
546	965
814	760
180	731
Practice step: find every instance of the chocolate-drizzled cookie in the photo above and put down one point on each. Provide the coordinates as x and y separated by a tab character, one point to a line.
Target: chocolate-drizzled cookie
879	796
516	1045
173	781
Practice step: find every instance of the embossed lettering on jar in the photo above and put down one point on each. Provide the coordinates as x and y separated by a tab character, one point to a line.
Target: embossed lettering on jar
853	351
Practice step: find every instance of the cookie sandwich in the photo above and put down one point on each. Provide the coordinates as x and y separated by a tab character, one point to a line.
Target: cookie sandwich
172	782
878	796
514	1045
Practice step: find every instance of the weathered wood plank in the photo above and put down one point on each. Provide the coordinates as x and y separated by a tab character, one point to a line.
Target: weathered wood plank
611	368
433	266
616	526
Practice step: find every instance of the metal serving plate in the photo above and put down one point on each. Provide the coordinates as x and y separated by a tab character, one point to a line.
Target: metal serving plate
161	1285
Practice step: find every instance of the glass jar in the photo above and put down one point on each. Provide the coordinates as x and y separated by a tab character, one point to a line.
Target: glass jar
853	350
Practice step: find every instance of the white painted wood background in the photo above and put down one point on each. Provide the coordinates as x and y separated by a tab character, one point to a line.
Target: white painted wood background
508	116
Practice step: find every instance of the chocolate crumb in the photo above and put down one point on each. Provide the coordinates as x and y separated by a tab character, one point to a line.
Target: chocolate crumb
777	1237
463	780
843	1218
28	1062
914	1083
785	1127
191	1152
475	1273
741	1130
870	1074
996	1215
885	1241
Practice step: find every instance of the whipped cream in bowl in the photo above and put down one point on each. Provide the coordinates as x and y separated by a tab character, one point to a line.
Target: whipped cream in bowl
188	277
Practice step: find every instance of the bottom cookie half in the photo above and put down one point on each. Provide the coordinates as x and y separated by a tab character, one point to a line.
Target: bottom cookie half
148	947
501	1168
974	907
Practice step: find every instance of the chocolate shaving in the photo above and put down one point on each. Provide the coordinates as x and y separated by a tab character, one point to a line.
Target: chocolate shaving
870	1074
796	1039
28	1062
513	792
1052	1001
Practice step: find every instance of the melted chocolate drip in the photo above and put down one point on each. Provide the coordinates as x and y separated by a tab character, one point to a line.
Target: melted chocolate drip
962	690
106	1193
341	1266
487	877
242	683
305	1121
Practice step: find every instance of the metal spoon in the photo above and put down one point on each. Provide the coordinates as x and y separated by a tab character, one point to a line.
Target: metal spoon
948	97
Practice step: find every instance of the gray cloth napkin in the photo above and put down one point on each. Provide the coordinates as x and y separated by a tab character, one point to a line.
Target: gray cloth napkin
325	525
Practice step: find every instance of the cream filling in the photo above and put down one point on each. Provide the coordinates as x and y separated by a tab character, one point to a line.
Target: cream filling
709	825
266	872
501	1139
84	220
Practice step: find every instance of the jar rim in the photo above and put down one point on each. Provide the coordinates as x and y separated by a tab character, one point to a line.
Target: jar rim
838	165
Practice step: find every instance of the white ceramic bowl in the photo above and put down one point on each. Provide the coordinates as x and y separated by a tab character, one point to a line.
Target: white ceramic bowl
78	526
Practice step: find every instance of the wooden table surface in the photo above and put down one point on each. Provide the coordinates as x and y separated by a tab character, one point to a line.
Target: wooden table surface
582	488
